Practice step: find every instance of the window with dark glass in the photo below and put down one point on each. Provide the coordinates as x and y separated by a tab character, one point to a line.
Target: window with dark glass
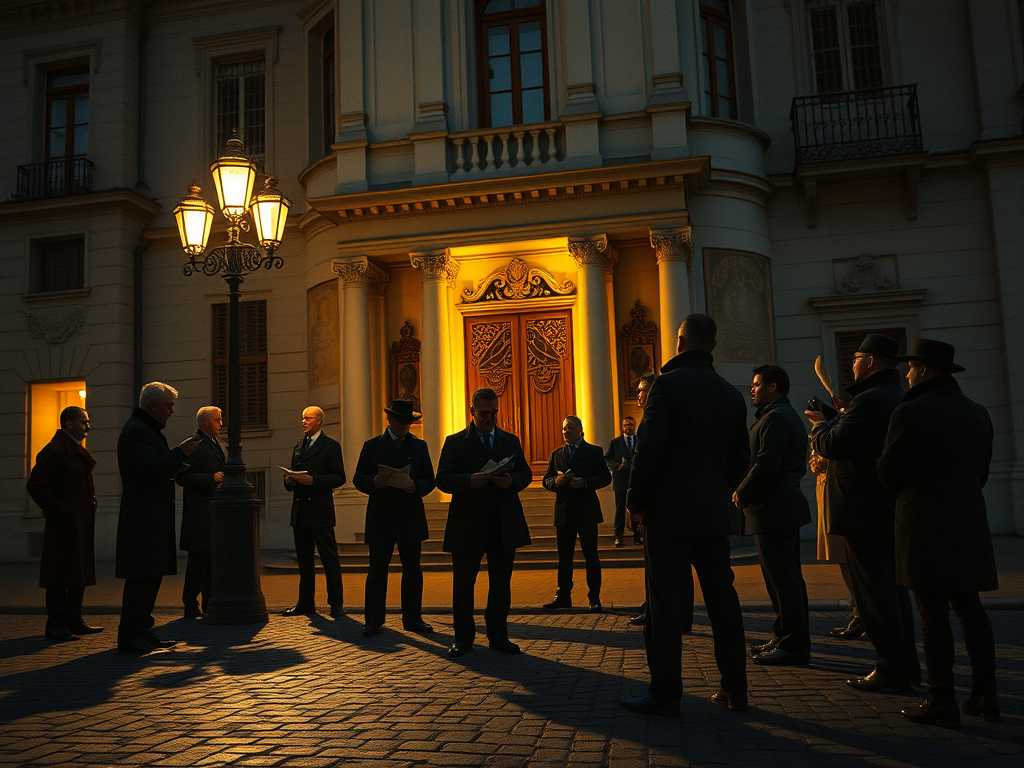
67	112
57	265
241	106
327	79
716	38
512	54
847	45
252	357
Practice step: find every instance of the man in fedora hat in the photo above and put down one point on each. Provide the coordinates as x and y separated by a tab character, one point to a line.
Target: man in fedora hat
936	460
395	515
863	512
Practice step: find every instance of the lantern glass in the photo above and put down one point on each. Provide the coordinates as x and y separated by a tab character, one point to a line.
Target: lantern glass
194	217
234	174
270	214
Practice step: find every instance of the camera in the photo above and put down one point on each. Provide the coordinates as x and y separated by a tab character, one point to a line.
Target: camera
814	404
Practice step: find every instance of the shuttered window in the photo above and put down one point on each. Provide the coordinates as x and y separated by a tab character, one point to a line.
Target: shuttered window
57	265
252	358
241	106
847	343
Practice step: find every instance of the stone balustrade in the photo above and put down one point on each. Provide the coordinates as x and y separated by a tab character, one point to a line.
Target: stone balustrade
520	148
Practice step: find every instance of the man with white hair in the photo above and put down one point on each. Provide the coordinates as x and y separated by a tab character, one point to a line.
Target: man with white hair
145	524
317	468
200	480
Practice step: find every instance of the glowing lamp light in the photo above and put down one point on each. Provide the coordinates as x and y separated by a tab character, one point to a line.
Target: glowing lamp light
194	217
269	210
234	174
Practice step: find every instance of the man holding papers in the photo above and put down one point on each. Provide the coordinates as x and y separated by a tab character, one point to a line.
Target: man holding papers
484	469
394	470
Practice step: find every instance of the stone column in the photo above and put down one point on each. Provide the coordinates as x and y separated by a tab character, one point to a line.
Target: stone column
356	423
598	407
438	271
376	289
611	258
673	248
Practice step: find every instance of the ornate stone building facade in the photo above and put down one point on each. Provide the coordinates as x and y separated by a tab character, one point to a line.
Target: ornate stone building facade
523	194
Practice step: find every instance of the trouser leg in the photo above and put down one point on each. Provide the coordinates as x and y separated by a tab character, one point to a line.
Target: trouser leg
710	558
464	571
74	611
499	592
909	636
307	568
588	544
195	570
375	593
619	525
872	571
667	573
412	581
327	548
565	539
137	601
937	638
56	608
780	563
979	640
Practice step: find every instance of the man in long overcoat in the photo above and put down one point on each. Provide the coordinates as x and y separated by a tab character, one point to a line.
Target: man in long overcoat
395	515
319	469
936	460
61	484
146	550
862	511
774	508
691	454
620	460
485	516
575	472
199	483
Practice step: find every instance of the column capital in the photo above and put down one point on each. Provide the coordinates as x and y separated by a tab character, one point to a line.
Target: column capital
352	271
672	245
611	258
588	251
436	265
377	278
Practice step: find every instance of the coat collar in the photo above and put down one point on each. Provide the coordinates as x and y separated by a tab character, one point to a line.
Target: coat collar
148	420
942	384
694	358
880	379
72	447
770	407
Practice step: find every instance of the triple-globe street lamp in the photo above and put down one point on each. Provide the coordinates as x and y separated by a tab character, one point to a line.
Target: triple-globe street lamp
235	593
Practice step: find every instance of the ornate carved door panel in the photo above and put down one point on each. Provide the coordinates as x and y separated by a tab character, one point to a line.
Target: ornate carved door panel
527	359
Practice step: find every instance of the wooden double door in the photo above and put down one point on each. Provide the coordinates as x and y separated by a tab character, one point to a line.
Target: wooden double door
527	359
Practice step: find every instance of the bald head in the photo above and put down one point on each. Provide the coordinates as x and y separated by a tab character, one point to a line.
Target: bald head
312	420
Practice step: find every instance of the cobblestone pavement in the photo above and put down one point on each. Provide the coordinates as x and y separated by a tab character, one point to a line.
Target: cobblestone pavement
313	692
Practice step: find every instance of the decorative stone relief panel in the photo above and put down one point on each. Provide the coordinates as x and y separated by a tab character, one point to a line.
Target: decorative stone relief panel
491	350
738	293
322	334
517	280
546	347
866	274
405	367
639	338
55	324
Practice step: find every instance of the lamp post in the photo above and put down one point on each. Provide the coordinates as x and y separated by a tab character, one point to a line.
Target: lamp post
235	593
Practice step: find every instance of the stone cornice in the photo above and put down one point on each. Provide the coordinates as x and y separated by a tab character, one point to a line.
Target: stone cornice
691	174
875	300
123	201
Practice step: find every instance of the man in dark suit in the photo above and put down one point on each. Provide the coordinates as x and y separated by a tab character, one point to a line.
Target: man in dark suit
620	459
691	454
61	484
936	460
485	516
200	479
861	510
318	468
146	549
395	515
774	508
574	474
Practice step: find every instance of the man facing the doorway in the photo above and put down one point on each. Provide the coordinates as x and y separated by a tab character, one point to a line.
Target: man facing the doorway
620	459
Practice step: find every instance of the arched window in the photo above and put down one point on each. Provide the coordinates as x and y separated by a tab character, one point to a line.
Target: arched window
513	66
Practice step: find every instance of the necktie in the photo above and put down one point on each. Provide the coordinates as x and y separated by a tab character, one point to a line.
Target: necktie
305	444
629	444
490	441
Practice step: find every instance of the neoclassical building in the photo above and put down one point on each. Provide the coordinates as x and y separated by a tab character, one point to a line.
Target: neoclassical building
523	194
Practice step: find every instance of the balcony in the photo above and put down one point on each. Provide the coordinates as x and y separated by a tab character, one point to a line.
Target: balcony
505	151
55	178
875	122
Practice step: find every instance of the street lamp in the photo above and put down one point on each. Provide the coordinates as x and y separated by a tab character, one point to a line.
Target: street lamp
235	593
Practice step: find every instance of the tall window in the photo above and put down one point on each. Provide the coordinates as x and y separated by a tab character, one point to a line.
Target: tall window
241	106
327	78
512	55
847	45
57	265
716	37
67	112
252	357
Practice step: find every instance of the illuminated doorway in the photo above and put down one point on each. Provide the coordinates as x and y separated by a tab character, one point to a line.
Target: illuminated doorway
46	401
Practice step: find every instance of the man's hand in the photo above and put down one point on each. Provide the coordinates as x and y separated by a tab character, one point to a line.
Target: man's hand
578	482
188	445
478	480
815	417
289	481
503	480
218	477
736	500
303	479
562	478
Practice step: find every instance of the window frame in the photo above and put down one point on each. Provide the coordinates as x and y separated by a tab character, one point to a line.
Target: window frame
840	14
709	16
511	18
36	256
221	136
328	89
69	94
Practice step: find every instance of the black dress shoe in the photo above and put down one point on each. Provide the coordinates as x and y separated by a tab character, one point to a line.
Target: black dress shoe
638	540
737	702
136	645
459	649
877	682
504	645
929	713
558	604
982	705
780	657
337	611
298	610
757	650
85	629
852	624
151	638
619	542
639	620
60	635
651	705
852	631
420	627
595	606
370	630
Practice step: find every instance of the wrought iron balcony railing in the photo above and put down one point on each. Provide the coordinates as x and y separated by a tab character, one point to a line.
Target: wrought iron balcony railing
55	178
875	122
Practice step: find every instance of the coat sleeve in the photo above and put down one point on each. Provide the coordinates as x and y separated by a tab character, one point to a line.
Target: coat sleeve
141	458
898	452
844	437
772	439
450	477
601	476
334	477
191	477
424	479
550	474
521	472
366	469
652	437
44	478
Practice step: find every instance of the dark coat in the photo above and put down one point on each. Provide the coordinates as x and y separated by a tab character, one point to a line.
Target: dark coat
936	459
692	451
392	514
778	459
463	454
582	507
856	504
61	484
313	505
616	454
145	525
199	487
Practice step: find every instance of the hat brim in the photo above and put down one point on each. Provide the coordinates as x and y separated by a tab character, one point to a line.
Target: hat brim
404	416
928	360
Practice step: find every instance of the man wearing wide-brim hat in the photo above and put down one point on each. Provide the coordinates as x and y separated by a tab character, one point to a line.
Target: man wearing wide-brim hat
936	460
395	515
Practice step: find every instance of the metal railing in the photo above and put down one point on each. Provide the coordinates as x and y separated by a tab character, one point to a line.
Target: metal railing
874	122
55	178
